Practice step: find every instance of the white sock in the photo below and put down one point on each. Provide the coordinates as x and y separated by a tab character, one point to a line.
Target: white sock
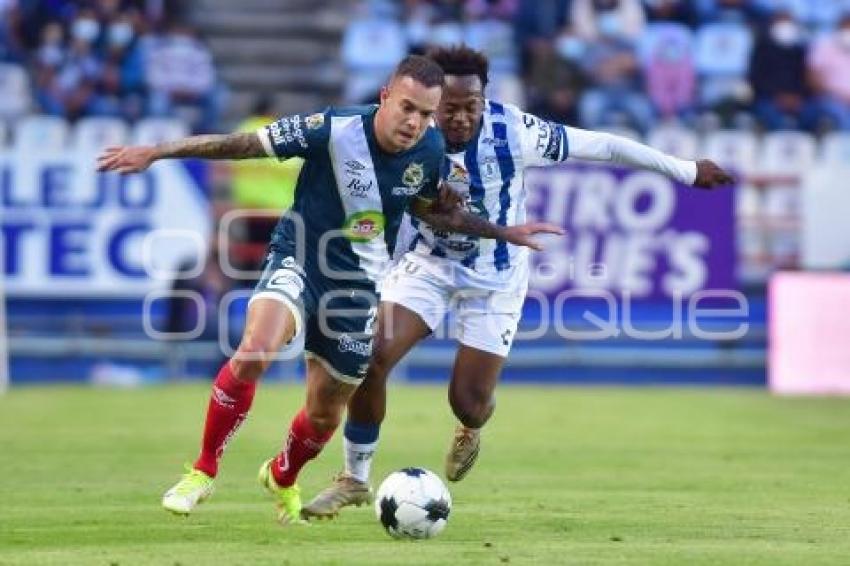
358	459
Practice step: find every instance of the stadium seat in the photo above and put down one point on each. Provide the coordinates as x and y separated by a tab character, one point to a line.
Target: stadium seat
371	47
666	52
787	153
674	140
93	134
41	132
149	131
15	96
835	148
496	40
722	59
735	149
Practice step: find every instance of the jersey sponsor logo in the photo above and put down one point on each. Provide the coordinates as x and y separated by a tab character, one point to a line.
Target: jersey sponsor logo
556	141
314	121
288	130
414	175
364	226
495	142
543	134
405	191
358	189
348	344
287	281
457	174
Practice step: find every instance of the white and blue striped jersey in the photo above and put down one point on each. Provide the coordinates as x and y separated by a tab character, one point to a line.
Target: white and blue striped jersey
489	173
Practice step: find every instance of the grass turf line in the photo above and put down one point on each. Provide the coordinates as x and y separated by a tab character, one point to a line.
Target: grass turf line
566	475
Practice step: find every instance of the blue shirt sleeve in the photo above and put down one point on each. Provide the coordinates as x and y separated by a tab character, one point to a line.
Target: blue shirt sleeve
435	165
299	135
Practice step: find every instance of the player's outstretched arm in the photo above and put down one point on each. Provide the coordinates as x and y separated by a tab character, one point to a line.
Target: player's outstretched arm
602	146
444	213
132	159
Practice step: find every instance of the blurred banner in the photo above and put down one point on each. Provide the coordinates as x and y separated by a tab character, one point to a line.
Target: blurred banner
631	231
68	230
808	352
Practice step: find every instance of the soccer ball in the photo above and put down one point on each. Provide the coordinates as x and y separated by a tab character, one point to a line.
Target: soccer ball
413	503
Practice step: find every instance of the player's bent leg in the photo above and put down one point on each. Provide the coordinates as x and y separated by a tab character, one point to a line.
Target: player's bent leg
474	378
270	324
311	428
397	331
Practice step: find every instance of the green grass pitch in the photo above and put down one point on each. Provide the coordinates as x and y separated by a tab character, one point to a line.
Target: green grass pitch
566	475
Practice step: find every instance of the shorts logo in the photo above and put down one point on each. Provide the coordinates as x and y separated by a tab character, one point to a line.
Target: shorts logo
286	280
349	344
364	226
314	121
414	175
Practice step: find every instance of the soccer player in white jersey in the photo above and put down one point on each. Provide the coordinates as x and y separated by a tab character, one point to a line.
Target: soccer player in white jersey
488	146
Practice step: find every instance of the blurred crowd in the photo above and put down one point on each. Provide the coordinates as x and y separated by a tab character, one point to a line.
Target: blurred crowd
120	58
770	64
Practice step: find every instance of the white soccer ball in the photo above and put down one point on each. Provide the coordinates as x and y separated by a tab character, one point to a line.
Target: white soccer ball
413	503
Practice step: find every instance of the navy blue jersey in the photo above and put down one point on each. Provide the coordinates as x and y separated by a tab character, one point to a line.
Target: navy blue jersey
351	195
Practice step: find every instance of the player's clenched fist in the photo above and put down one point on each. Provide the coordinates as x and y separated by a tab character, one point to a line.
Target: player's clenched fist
710	175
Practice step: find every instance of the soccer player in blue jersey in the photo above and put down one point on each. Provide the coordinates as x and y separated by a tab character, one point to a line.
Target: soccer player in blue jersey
364	167
484	281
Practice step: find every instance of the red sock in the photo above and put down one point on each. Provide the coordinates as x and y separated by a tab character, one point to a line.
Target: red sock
302	444
229	404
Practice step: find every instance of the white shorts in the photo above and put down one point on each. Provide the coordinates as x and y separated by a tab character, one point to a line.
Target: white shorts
484	319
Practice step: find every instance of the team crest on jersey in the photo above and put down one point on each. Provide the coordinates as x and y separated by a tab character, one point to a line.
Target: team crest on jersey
364	226
314	121
414	175
457	174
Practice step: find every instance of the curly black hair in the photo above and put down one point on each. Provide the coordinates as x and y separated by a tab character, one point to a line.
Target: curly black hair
459	60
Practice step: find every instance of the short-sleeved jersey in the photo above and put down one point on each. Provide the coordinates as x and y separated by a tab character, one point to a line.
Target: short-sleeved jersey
489	172
351	195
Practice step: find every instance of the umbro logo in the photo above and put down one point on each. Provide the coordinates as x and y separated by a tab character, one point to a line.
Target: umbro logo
495	142
354	167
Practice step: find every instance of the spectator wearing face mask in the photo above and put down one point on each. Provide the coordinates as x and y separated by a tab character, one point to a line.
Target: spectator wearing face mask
121	85
777	75
829	73
67	86
622	19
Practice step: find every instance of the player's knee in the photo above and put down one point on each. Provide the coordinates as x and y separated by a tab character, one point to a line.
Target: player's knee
252	358
379	366
472	406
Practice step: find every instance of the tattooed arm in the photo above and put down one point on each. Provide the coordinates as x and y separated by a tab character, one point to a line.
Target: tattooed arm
444	213
132	159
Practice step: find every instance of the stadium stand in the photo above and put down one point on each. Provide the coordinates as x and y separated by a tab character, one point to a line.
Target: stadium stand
308	53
